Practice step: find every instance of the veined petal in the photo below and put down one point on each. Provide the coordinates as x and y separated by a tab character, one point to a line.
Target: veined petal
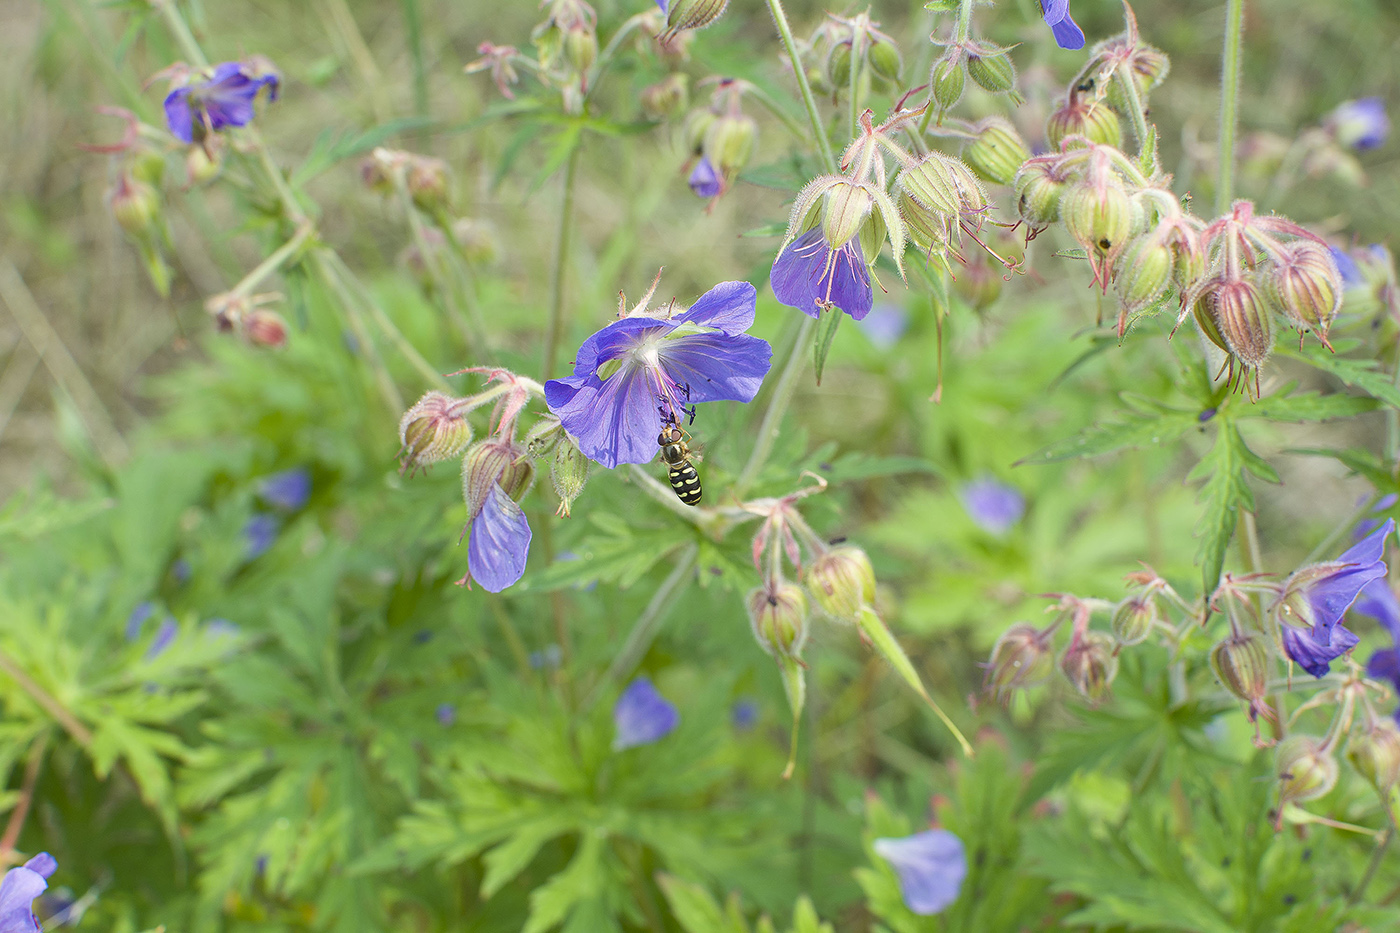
1378	601
808	271
642	716
704	180
729	306
1315	649
613	341
1054	10
614	420
18	890
1332	593
1068	35
229	102
43	864
717	367
500	542
178	115
931	866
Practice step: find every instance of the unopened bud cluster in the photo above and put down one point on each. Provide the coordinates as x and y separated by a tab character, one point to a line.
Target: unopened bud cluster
721	139
842	50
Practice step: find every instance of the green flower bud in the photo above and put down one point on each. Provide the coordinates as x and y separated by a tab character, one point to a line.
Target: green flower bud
1143	272
490	462
1091	663
1135	618
1038	186
1021	658
842	582
134	204
1375	754
928	230
1087	118
200	166
838	65
568	473
427	182
1190	265
432	430
1306	769
885	60
1242	318
666	98
543	437
1305	285
729	143
147	165
847	206
697	127
691	14
979	283
998	151
1147	66
477	240
581	47
992	70
1241	664
778	616
1098	216
947	80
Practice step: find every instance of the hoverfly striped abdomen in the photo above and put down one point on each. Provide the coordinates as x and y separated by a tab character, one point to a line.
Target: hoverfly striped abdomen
684	480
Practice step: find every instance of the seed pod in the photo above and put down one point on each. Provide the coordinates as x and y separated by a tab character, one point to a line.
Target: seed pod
998	151
264	328
1375	754
490	462
692	14
930	182
568	472
1098	216
838	65
667	97
1087	118
1134	619
427	182
433	430
1148	66
846	209
135	205
842	582
885	61
1244	321
927	229
947	80
778	616
1306	769
1143	272
1305	286
1038	186
1241	664
1091	663
1021	658
729	143
992	70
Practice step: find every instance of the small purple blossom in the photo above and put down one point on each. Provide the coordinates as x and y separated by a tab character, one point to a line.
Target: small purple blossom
137	620
221	628
1315	598
446	714
164	636
288	490
1068	35
631	371
1360	124
1351	272
885	324
500	542
18	890
642	716
258	534
704	180
743	715
994	506
181	571
931	866
810	274
224	99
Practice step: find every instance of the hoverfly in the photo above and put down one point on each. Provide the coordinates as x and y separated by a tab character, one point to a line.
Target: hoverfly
676	454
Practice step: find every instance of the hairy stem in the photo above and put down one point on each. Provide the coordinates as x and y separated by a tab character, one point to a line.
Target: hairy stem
814	117
26	795
561	260
273	262
1229	102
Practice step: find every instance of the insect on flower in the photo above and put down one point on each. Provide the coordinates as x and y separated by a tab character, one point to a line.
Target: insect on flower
676	455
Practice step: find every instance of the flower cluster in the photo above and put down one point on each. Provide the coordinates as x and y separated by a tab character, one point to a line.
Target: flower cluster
721	139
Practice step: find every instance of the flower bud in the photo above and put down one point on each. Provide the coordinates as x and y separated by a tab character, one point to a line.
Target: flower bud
265	328
692	14
778	615
200	166
147	164
433	430
979	283
842	582
581	46
729	143
992	70
1190	264
1087	118
697	127
1038	185
568	472
998	151
1306	769
427	182
1098	216
135	204
666	98
1305	286
930	182
375	176
1021	658
1241	319
1375	754
927	230
1143	273
1134	619
884	59
846	208
1241	664
947	80
838	65
1147	66
490	462
477	240
1091	662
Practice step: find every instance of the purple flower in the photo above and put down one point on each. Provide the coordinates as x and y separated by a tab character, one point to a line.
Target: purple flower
19	889
704	180
137	620
744	715
500	542
1068	35
993	506
1351	272
1315	598
446	714
642	716
224	99
164	636
287	490
885	324
631	371
1360	124
931	866
810	274
1378	601
258	535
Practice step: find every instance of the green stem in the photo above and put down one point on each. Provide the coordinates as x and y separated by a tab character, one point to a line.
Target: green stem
1124	77
387	387
183	37
46	701
561	261
813	115
272	263
434	264
665	496
1229	102
1371	866
595	74
777	405
854	82
964	21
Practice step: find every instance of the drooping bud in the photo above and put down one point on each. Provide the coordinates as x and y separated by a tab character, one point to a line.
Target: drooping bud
1039	185
265	328
947	80
847	206
147	164
1135	618
729	142
581	46
885	61
667	97
1241	317
490	462
432	430
998	151
427	182
1087	118
1022	657
1190	264
1143	272
135	204
1148	66
1098	216
842	582
1305	285
691	14
778	615
1375	754
1241	664
1306	769
838	65
1090	663
697	127
568	472
927	229
990	67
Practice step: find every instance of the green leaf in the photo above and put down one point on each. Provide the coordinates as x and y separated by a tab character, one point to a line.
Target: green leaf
1359	461
1300	407
331	146
582	880
805	919
510	858
1364	374
826	333
1147	424
695	908
1225	492
621	554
